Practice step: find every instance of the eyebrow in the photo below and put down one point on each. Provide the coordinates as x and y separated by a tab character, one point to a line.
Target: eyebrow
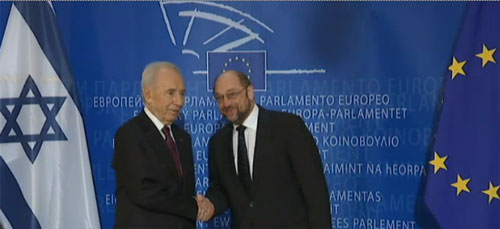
228	91
175	89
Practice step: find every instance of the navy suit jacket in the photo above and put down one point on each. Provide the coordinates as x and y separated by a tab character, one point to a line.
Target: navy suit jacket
149	192
289	189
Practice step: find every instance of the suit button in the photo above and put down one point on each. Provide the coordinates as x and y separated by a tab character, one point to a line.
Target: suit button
251	204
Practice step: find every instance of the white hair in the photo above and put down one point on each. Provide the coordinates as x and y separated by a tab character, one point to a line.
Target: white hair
149	73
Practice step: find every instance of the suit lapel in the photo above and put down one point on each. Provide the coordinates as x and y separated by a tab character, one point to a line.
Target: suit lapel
153	136
228	151
229	160
227	156
262	142
184	153
156	141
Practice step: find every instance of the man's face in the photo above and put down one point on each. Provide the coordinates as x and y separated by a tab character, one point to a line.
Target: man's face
235	101
165	98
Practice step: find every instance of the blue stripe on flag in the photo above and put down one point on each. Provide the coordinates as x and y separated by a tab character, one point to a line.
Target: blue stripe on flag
12	201
49	37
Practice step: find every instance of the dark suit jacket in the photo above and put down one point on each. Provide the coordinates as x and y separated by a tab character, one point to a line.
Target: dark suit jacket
149	192
289	188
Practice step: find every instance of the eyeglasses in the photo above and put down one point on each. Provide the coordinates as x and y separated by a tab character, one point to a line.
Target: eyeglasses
229	96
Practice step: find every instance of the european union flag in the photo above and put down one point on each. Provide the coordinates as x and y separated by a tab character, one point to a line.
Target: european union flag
464	176
252	63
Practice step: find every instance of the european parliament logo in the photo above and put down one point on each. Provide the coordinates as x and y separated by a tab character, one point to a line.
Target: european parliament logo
224	34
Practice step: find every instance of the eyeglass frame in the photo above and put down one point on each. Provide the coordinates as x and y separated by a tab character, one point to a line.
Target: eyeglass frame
229	96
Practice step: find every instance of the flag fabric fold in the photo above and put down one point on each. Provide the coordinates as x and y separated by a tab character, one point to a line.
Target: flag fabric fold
45	175
464	169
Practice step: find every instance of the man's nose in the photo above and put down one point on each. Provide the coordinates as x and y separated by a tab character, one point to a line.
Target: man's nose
178	100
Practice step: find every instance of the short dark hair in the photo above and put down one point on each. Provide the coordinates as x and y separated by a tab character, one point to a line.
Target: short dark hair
244	79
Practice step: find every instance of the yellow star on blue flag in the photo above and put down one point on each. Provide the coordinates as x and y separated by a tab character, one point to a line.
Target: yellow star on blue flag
468	131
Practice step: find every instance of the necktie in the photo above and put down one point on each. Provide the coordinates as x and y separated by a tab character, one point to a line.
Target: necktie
173	149
243	164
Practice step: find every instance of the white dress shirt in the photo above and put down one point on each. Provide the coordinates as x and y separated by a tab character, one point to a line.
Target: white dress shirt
250	135
159	125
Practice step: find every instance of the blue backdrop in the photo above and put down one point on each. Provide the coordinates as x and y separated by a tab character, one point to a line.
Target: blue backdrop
365	77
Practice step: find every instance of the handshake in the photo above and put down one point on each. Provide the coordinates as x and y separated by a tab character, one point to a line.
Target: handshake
205	208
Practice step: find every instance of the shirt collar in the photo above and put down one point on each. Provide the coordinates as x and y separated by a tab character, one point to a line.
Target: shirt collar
159	125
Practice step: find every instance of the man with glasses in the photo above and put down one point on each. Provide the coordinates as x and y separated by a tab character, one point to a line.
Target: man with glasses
265	165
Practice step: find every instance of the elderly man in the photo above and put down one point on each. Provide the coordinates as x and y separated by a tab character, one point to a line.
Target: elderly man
153	158
265	165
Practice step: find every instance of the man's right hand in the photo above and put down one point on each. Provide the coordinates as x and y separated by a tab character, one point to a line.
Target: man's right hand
205	208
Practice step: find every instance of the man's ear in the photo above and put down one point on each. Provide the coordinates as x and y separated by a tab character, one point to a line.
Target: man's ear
250	92
147	95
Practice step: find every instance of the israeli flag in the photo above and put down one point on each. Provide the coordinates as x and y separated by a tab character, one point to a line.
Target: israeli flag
45	176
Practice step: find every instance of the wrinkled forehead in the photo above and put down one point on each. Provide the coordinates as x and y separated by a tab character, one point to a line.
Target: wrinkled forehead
168	76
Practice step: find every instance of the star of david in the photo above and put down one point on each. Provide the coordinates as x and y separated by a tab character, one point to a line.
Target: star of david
50	106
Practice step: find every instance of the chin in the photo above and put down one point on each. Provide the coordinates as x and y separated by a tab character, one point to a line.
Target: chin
233	120
170	119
